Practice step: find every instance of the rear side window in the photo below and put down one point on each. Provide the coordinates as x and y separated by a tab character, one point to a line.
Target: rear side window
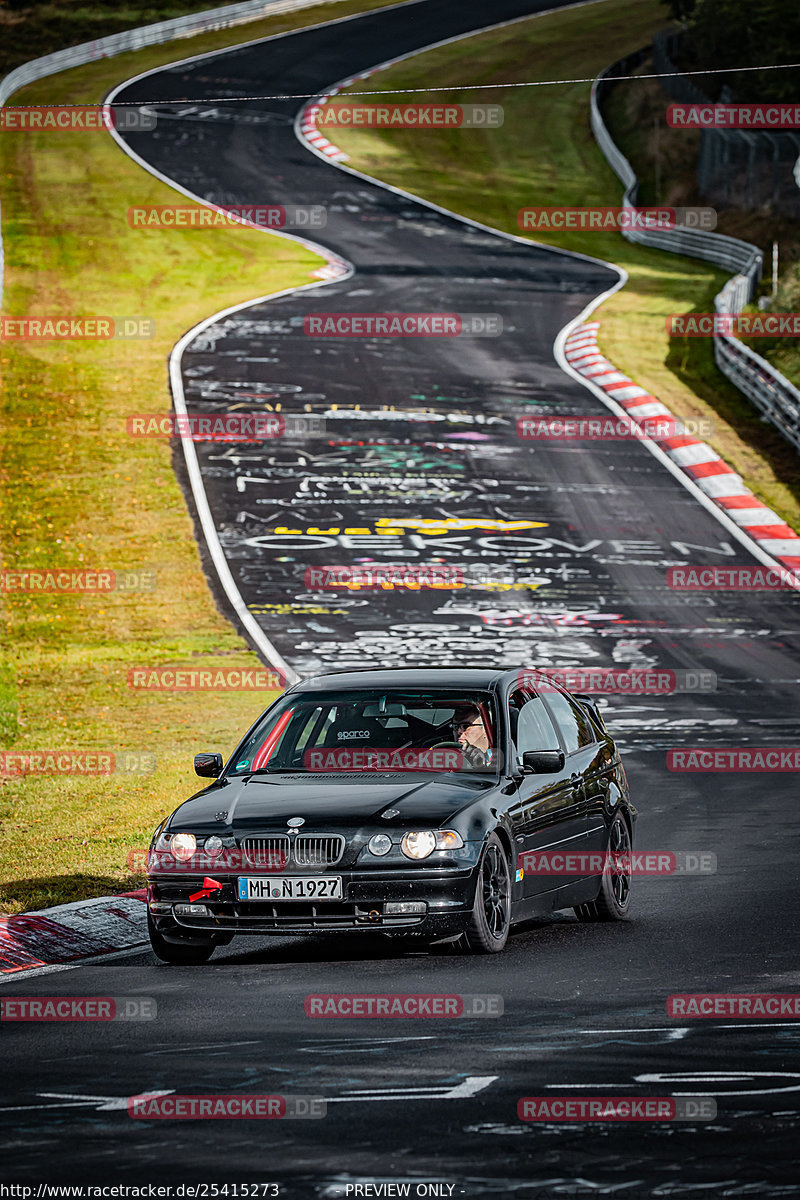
571	720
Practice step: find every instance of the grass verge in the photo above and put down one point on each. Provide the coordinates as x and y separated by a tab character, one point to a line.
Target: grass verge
77	491
545	154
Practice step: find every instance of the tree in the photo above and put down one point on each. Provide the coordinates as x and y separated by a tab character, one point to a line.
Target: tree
739	33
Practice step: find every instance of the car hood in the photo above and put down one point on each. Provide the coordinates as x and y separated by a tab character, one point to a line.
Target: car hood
265	803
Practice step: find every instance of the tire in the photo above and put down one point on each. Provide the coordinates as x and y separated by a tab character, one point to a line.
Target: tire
614	900
191	954
490	921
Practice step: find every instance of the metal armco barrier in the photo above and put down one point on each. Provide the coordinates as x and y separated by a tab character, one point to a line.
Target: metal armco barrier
136	39
775	397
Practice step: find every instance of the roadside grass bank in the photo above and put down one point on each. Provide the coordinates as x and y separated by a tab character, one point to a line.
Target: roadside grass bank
78	491
544	154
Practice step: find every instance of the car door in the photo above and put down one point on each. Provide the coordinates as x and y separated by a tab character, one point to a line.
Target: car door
599	781
551	818
589	762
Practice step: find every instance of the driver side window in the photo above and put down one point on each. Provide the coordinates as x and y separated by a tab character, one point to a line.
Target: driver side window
535	729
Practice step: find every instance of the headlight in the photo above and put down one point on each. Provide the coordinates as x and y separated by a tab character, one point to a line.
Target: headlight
213	846
380	844
418	845
423	842
183	846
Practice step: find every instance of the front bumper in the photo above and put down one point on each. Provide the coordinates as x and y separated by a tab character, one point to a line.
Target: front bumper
448	895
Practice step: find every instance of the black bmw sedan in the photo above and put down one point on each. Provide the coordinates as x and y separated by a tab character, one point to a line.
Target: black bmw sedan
429	804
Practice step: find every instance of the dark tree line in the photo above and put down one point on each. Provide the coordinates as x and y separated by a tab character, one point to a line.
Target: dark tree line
743	33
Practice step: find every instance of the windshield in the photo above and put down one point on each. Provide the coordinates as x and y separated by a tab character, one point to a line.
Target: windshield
373	730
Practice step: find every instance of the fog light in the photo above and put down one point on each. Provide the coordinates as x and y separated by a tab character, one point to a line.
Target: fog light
405	908
191	910
159	906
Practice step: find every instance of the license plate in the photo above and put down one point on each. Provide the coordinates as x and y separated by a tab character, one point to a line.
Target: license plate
290	887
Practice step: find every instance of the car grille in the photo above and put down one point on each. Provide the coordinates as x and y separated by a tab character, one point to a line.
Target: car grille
266	853
312	850
308	850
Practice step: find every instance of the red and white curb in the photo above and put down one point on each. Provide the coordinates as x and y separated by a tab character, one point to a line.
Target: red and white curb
307	125
695	458
308	128
69	932
308	118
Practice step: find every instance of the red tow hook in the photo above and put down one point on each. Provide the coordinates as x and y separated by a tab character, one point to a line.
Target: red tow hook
209	886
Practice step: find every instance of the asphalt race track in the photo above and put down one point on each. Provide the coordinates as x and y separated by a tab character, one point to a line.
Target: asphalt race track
420	471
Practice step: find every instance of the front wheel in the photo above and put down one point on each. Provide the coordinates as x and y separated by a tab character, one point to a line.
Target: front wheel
614	901
491	913
191	954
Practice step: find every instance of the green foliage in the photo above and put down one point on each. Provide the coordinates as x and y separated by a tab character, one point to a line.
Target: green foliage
724	34
679	10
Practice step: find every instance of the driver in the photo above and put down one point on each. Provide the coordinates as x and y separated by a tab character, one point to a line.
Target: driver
471	735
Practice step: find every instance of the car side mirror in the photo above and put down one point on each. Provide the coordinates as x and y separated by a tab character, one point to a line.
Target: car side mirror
542	762
209	766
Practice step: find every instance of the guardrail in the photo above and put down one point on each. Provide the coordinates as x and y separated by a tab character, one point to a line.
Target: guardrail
187	26
777	399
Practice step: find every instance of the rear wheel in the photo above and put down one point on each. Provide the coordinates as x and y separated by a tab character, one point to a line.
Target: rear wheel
491	913
188	955
614	901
